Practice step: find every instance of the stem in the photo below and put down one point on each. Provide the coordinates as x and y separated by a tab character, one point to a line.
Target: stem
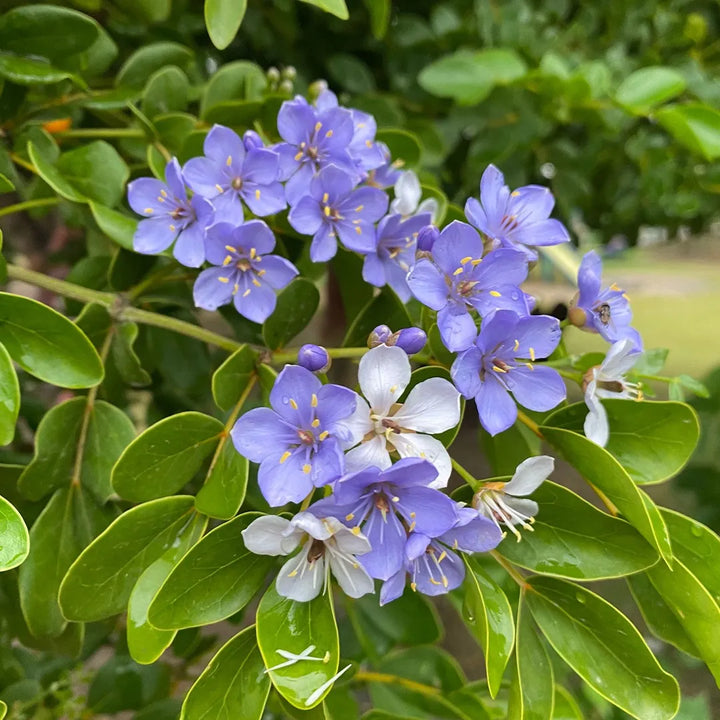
465	475
60	287
370	676
290	355
511	571
658	378
23	163
570	375
523	418
606	500
101	133
29	205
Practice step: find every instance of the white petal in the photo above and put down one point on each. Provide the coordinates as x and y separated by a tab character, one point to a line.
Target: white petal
432	406
317	694
430	205
318	528
383	374
596	422
619	359
353	429
428	448
526	507
351	576
271	535
367	454
351	543
407	194
300	580
530	474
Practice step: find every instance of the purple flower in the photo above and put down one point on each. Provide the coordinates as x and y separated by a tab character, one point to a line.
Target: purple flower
459	278
394	253
313	139
387	504
387	174
515	219
412	340
314	357
251	140
170	216
427	237
602	310
245	273
379	336
334	209
498	364
433	566
299	443
229	172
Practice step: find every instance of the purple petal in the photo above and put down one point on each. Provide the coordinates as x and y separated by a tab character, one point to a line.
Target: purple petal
325	100
190	246
213	288
457	328
327	463
545	232
465	372
254	234
261	167
306	216
298	184
428	285
222	143
279	272
501	267
217	237
174	179
144	194
500	297
154	235
256	303
387	539
476	215
352	486
295	121
438	578
494	195
498	329
396	279
393	588
496	409
539	389
287	164
457	241
410	472
251	432
359	237
434	512
285	482
416	545
299	385
537	336
337	129
228	208
202	175
334	181
589	278
324	244
335	403
531	203
373	201
266	199
478	534
373	270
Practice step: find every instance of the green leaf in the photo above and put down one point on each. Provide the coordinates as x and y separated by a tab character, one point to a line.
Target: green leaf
354	291
601	469
9	397
150	58
234	684
236	80
66	525
145	642
99	582
26	71
14	538
166	456
284	624
405	147
296	305
379	17
694	125
565	706
216	579
438	349
603	647
334	7
652	440
223	19
52	176
126	360
46	344
3	709
57	443
6	185
469	76
224	490
120	228
506	450
385	308
643	89
166	91
532	690
233	376
573	539
235	113
488	615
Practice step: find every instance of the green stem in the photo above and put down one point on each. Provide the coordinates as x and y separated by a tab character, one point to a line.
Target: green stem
29	205
523	418
658	378
511	571
570	375
290	355
101	133
465	475
60	287
369	676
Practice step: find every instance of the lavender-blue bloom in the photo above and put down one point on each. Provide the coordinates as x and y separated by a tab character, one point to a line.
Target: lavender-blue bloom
170	216
388	173
299	443
245	273
459	278
314	357
379	336
252	141
229	172
427	237
602	310
515	219
333	209
386	502
313	139
498	364
412	340
394	253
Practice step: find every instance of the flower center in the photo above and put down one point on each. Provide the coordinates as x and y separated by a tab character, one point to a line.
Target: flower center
317	550
236	183
306	437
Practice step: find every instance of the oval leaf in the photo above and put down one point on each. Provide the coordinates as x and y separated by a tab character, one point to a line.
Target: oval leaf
642	90
9	397
224	490
296	305
14	538
233	376
694	125
223	19
334	7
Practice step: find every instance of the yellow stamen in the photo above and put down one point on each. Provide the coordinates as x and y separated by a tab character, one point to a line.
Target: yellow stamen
257	194
149	211
293	404
516	345
228	162
465	260
412	514
285	456
369	143
443	555
315	423
323	435
413	586
529	366
230	248
476	262
246	293
356	530
307	468
326	197
349	517
256	282
224	279
163	193
313	400
293	573
253	253
218	187
358	230
395	498
172	227
532	354
329	134
498	369
495	293
318	125
359	208
227	260
326	210
459	271
514	193
298	156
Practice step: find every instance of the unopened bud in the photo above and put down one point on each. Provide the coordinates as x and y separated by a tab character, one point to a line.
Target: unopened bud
286	86
314	358
252	140
426	238
317	88
577	316
412	340
273	74
289	73
379	336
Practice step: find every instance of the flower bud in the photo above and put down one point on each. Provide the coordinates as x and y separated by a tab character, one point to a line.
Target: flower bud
577	316
252	140
289	73
286	86
427	237
412	340
379	336
317	88
273	74
314	358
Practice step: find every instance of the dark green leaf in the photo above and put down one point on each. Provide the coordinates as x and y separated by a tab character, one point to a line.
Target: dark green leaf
166	91
14	538
233	376
236	80
405	147
354	291
26	71
234	684
223	19
150	58
385	308
166	456
694	125
296	305
9	397
125	358
99	582
6	185
379	16
642	90
216	579
224	490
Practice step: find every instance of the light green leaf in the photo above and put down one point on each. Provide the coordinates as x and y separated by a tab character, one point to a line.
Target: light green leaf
601	469
296	305
694	125
52	176
99	582
216	579
405	147
166	91
27	71
46	344
14	538
602	646
488	615
652	440
565	706
223	19
233	376
3	709
334	7
532	691
573	539
643	89
66	525
9	397
148	59
120	228
379	16
239	80
145	642
284	624
224	490
166	456
234	684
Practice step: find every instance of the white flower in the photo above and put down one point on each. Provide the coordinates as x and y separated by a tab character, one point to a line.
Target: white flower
407	197
504	502
432	406
327	545
607	380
